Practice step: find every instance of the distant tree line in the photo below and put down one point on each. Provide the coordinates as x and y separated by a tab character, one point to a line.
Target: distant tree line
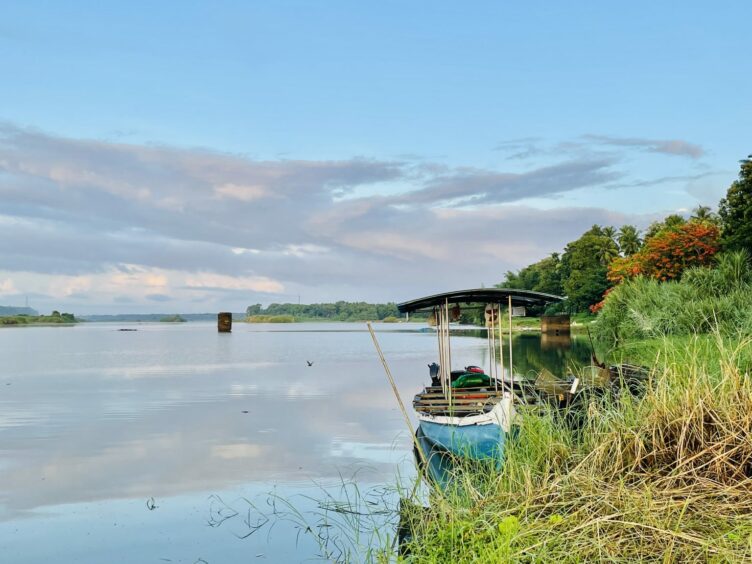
337	311
604	256
25	319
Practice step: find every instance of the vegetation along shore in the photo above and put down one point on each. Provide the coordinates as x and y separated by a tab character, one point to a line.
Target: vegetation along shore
55	318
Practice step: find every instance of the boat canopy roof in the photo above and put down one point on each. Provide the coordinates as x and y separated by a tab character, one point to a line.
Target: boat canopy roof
482	296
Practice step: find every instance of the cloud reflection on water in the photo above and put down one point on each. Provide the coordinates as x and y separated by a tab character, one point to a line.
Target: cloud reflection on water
96	433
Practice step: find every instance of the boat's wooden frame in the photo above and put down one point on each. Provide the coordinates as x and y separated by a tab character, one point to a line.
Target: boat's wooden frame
445	400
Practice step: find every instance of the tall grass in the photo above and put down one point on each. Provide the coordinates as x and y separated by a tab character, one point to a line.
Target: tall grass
704	300
667	477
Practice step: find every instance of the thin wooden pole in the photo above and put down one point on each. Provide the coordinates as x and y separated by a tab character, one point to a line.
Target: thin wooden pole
437	318
501	347
492	329
448	349
511	364
396	392
449	342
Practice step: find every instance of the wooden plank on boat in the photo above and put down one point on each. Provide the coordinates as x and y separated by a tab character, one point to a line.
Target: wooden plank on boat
436	410
473	397
445	407
458	403
463	391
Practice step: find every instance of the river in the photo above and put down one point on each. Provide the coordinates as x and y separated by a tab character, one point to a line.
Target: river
172	442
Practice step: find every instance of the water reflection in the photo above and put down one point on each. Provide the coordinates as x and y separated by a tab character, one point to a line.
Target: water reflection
94	421
532	352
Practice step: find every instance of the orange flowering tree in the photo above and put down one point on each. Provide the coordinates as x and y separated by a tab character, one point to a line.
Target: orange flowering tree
667	254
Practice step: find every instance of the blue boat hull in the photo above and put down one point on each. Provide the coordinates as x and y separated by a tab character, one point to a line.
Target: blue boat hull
478	442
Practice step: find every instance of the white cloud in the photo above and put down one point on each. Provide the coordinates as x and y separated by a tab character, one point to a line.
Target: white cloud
7	287
242	193
219	281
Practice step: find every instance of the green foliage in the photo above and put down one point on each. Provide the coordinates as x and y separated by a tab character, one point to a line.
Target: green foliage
542	276
735	210
56	318
706	298
629	240
583	268
670	222
580	273
339	311
705	214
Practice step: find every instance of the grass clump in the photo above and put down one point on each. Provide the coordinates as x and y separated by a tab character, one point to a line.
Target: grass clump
705	299
667	477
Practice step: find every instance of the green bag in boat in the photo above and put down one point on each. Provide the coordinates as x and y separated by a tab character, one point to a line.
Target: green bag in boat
471	380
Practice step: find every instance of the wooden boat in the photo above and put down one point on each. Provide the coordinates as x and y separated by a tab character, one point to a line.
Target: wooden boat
462	414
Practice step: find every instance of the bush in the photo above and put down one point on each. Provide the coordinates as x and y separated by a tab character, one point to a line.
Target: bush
705	298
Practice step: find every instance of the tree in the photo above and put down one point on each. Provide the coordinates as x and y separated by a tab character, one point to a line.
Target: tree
629	240
735	210
253	310
583	270
542	276
704	213
668	254
673	221
610	232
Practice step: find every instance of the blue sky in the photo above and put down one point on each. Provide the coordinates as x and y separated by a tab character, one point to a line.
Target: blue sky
386	139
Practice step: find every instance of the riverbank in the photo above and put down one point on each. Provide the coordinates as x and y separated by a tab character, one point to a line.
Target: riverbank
664	478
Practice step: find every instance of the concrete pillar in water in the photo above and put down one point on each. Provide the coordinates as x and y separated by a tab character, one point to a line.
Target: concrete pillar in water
224	322
555	324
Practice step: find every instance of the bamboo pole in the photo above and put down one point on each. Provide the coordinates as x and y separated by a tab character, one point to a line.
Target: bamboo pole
437	318
511	364
396	393
501	348
449	343
448	346
492	329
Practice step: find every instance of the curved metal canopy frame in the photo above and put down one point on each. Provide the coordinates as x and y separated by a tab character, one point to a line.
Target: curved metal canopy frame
480	295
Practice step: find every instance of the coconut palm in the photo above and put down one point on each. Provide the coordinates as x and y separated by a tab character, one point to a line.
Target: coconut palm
610	232
704	213
629	240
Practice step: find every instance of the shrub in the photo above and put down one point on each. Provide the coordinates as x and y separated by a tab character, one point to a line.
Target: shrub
705	298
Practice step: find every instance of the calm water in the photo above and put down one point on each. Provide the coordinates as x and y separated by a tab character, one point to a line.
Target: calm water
95	423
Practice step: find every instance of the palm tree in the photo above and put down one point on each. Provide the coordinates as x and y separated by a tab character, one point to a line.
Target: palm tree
629	240
704	213
610	232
